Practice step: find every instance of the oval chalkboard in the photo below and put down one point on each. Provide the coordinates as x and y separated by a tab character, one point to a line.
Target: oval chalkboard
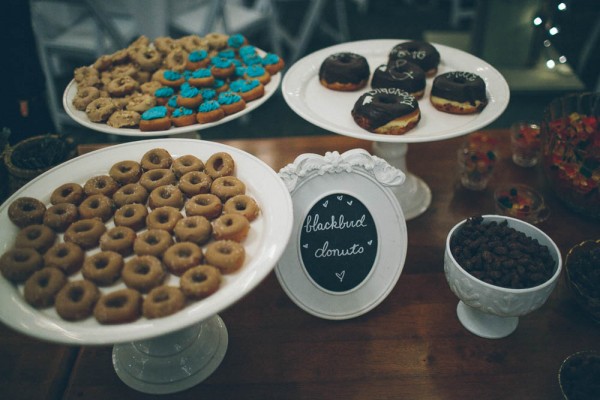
338	242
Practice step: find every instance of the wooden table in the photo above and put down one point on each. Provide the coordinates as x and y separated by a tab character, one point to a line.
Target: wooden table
411	346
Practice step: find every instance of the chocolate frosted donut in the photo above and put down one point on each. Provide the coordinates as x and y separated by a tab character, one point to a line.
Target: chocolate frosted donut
402	75
386	111
38	237
131	193
125	172
41	288
66	256
103	268
419	52
18	264
344	72
458	92
76	300
59	216
68	193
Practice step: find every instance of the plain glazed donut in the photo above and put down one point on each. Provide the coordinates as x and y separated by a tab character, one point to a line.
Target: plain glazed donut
419	52
118	239
195	182
227	255
153	242
163	301
68	193
41	288
184	164
66	256
156	159
76	300
157	177
85	233
196	229
103	268
26	211
97	206
402	75
59	216
101	184
208	205
18	264
131	193
182	256
132	216
200	281
143	273
38	237
242	204
167	195
220	164
344	72
386	111
125	172
148	59
231	227
176	60
163	218
118	307
226	187
458	92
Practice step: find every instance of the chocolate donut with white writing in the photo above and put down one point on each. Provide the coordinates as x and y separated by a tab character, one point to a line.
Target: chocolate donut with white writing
402	75
459	92
345	72
424	54
387	111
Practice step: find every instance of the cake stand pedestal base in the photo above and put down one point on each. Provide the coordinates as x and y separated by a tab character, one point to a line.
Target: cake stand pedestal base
485	325
172	362
414	195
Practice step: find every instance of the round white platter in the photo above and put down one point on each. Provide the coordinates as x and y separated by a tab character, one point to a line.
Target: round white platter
264	245
330	109
81	118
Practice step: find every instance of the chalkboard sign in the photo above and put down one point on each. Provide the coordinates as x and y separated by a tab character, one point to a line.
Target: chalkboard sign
338	242
336	265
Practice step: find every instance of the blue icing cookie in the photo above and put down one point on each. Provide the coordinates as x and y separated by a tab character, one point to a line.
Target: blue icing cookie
255	70
230	54
155	113
247	50
164	92
208	106
172	75
270	59
228	98
220	62
201	73
208	94
172	101
182	112
197	55
236	40
189	92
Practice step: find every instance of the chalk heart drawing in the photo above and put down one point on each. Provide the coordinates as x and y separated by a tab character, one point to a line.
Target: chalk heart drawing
370	242
305	246
325	204
340	198
340	275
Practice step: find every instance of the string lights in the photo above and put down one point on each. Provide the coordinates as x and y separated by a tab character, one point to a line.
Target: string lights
545	20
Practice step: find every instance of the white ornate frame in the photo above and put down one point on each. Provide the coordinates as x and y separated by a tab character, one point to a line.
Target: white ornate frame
368	178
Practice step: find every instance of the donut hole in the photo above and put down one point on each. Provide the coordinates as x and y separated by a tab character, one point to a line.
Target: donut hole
21	257
162	218
228	221
117	235
129	212
76	294
101	184
218	164
80	228
203	201
66	192
160	297
198	277
156	176
240	206
224	250
28	207
142	269
165	194
43	281
190	224
59	211
184	253
95	203
62	252
101	263
124	168
116	302
152	240
194	180
34	234
154	159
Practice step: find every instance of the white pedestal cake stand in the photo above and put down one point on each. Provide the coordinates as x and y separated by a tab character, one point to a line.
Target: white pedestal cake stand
330	109
173	353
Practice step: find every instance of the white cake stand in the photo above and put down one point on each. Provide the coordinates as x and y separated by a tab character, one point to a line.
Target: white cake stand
170	354
330	109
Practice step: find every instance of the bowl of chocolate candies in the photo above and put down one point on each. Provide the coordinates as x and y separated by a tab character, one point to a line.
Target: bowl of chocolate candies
571	151
582	269
578	376
500	268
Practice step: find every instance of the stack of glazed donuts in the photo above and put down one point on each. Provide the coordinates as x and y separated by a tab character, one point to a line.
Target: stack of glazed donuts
391	106
173	82
113	246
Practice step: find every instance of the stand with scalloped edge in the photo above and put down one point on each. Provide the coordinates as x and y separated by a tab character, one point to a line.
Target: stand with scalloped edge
371	241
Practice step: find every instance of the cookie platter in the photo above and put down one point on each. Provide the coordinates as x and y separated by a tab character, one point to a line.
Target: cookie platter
81	117
330	109
264	245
